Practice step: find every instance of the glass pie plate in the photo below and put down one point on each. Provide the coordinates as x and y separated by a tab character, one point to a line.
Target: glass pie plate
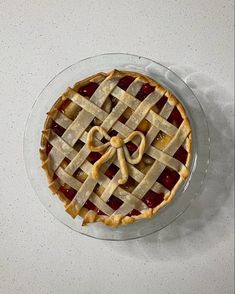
106	62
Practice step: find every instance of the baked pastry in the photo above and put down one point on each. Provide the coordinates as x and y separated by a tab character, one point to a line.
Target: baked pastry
116	147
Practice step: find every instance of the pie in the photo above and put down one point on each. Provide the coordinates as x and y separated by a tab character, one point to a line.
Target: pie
116	147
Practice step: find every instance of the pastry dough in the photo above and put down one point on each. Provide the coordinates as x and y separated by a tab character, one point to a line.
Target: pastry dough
111	135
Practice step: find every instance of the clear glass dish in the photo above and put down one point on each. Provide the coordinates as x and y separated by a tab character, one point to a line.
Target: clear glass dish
169	80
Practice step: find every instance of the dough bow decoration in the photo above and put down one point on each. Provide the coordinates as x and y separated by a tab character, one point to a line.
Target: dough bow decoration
115	145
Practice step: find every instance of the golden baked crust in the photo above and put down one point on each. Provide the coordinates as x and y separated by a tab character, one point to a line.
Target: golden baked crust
59	172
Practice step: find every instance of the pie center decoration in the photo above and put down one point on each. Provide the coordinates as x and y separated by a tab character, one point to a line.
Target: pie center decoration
115	146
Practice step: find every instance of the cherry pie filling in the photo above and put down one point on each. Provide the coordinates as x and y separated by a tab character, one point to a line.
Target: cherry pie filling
168	177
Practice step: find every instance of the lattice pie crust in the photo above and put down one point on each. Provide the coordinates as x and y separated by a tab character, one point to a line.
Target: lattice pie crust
116	147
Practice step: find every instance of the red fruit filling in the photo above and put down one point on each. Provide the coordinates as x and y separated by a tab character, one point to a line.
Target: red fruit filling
145	90
131	147
88	90
175	117
94	156
55	177
57	129
181	154
123	119
112	133
89	205
133	213
168	178
125	82
111	171
99	212
63	105
114	202
161	102
69	193
130	183
153	199
103	140
48	147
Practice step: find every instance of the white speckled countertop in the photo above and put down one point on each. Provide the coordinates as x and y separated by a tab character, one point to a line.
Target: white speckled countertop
37	253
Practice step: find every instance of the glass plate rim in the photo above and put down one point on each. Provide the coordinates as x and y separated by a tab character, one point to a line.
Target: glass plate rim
203	180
